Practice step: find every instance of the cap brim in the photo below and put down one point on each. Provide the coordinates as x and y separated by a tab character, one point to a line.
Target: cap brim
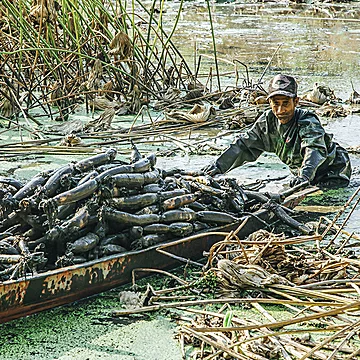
281	92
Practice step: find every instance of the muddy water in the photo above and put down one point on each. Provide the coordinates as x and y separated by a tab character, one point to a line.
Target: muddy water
318	45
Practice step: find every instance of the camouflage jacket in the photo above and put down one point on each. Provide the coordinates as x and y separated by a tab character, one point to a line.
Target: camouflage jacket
302	144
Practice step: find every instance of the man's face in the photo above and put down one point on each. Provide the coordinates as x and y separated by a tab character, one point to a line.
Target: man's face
283	107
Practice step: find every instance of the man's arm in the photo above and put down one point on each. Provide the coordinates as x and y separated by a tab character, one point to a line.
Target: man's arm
248	147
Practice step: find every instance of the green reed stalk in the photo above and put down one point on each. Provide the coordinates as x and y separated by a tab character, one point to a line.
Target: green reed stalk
177	18
148	38
159	23
159	29
214	44
145	59
30	34
174	48
21	35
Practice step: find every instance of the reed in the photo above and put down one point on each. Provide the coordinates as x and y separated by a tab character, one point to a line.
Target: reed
58	53
214	44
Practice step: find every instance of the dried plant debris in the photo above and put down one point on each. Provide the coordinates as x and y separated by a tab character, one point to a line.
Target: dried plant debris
228	335
95	77
269	255
312	316
71	140
234	276
197	114
240	117
102	123
332	111
7	104
319	94
103	103
43	11
354	149
354	96
65	128
121	46
171	96
130	299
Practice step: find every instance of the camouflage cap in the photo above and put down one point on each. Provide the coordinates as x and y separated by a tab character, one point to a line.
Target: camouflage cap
283	85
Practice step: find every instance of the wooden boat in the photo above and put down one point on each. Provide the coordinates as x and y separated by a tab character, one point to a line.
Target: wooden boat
46	290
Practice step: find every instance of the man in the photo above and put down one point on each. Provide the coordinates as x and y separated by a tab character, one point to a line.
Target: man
296	136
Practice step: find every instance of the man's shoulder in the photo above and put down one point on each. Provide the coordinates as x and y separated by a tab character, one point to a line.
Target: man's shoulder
265	125
266	116
305	116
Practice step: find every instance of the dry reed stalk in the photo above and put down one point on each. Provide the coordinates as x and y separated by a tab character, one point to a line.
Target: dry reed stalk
329	282
172	298
180	258
339	213
157	307
312	293
213	343
353	354
216	248
339	347
301	349
291	241
345	221
158	271
340	310
356	287
338	251
328	340
354	262
294	347
267	315
268	64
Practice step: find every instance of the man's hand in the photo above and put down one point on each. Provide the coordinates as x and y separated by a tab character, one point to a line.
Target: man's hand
298	180
211	170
